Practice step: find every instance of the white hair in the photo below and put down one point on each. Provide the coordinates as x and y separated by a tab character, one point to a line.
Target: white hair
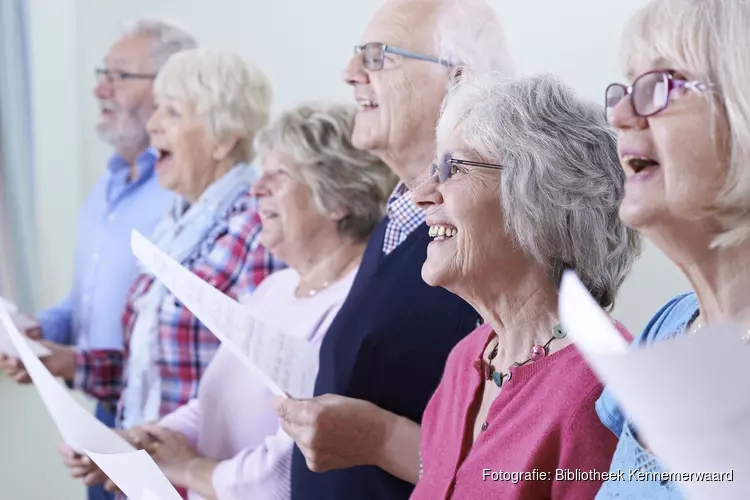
232	96
315	139
709	39
469	34
168	38
561	183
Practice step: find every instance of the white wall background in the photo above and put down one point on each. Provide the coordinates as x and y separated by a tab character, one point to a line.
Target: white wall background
303	46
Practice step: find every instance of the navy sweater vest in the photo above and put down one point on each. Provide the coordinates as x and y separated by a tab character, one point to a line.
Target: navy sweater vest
388	345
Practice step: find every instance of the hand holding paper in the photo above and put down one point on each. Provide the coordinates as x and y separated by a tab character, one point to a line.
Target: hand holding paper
134	472
682	394
285	364
22	323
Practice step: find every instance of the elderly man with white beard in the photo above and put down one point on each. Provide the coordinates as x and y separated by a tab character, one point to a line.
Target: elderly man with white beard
127	196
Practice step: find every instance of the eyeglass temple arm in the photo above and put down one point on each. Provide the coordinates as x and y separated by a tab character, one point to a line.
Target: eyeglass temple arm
477	164
414	55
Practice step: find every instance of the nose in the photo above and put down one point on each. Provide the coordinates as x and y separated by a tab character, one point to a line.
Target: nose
103	89
355	72
259	188
622	116
427	193
153	125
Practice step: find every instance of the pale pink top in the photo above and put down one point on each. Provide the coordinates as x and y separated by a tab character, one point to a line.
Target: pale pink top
232	419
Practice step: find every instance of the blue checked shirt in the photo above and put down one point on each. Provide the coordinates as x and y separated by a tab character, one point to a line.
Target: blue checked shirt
403	218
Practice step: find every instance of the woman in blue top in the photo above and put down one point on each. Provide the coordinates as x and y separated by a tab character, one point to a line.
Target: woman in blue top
684	143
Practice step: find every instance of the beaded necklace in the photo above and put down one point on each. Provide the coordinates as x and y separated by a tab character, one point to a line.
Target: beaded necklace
536	353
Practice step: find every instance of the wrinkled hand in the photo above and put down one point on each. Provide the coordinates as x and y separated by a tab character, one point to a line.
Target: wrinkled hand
171	451
80	466
334	432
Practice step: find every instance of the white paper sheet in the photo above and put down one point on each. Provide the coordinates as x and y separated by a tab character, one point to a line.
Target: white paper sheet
136	474
22	323
285	364
686	396
131	472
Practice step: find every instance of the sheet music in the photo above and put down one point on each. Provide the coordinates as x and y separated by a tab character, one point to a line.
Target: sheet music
132	472
136	474
22	323
285	364
686	396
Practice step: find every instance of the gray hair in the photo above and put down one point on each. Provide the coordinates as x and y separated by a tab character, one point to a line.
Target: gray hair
168	39
708	38
469	34
315	139
562	182
232	96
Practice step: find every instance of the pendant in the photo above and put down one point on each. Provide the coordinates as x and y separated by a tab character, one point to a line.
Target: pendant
498	378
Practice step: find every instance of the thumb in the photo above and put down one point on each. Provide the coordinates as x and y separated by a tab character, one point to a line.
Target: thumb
288	409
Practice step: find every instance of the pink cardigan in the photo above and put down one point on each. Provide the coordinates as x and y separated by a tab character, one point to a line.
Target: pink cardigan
542	421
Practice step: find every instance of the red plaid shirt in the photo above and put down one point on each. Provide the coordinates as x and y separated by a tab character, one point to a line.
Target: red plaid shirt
232	261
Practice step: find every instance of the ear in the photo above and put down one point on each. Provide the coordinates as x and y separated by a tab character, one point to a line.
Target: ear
458	75
224	148
338	214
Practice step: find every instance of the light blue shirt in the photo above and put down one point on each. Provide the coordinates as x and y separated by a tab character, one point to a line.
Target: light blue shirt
91	315
669	322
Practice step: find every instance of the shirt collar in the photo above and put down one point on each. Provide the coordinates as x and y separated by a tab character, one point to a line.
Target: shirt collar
145	161
402	210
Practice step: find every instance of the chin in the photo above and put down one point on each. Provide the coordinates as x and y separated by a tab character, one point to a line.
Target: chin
638	216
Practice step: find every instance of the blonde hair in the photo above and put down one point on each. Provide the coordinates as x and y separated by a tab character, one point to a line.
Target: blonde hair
315	139
233	97
709	39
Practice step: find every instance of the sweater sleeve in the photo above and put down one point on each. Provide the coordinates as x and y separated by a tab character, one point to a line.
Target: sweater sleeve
260	472
585	444
186	420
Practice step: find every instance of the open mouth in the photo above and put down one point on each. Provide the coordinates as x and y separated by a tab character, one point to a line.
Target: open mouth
441	233
366	105
267	214
162	156
641	165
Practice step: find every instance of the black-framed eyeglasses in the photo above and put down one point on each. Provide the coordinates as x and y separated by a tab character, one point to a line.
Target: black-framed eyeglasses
447	167
116	76
373	55
649	93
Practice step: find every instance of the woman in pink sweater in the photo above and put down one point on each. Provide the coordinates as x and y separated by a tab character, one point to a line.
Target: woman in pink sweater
319	198
527	184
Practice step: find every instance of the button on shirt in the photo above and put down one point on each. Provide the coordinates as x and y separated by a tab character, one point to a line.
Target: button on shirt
90	316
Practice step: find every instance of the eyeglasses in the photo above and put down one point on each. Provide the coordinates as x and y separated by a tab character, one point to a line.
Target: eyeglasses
447	167
373	55
116	76
649	93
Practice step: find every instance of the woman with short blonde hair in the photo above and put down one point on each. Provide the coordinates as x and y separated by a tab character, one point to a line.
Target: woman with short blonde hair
684	144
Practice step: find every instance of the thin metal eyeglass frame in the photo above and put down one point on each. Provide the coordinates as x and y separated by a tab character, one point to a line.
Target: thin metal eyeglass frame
672	84
359	49
121	75
454	161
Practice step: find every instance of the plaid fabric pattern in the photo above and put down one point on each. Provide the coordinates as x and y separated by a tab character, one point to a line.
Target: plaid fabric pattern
403	218
231	260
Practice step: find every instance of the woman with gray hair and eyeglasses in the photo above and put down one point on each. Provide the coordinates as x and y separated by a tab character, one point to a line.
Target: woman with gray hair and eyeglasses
319	199
684	144
527	184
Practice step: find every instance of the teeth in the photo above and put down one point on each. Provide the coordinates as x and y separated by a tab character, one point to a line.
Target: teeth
365	104
442	231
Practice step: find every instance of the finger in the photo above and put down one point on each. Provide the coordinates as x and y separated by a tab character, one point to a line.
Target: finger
139	437
94	477
290	409
21	377
80	472
110	486
158	432
71	462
